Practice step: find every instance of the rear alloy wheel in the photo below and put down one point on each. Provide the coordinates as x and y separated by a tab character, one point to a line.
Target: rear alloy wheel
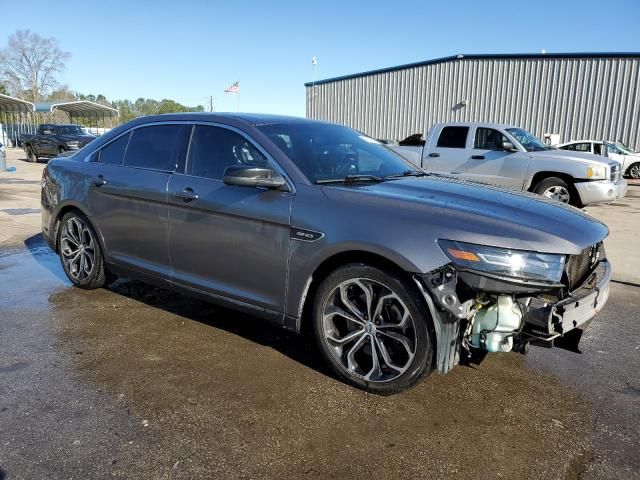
372	329
634	171
556	189
80	252
31	156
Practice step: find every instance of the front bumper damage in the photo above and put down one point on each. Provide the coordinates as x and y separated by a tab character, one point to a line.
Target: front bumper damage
550	315
601	191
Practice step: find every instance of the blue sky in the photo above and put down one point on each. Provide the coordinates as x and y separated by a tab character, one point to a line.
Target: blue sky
188	50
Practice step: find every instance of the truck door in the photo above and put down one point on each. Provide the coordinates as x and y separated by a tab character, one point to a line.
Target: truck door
43	141
446	150
489	162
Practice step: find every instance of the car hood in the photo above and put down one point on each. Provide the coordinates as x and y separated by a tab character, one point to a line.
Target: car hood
471	212
586	158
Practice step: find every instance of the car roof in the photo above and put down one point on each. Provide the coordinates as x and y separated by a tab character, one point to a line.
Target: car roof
585	141
250	118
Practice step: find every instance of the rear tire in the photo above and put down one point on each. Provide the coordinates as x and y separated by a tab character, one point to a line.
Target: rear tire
558	189
80	252
373	329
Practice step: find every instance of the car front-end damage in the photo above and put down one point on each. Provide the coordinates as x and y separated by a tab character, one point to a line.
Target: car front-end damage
500	300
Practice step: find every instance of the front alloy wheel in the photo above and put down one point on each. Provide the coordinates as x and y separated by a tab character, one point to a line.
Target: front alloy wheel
634	171
558	189
372	329
557	192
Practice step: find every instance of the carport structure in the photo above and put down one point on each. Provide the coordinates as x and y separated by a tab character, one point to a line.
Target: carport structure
16	118
78	110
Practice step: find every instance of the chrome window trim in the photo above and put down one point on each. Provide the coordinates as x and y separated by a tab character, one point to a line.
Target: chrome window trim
277	167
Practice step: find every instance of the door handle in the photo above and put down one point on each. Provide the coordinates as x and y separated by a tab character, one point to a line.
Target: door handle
187	195
434	154
99	181
477	157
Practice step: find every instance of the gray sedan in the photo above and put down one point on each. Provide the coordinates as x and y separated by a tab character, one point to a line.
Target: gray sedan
315	226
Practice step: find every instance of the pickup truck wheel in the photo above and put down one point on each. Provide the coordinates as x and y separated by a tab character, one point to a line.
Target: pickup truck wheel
556	189
373	329
634	170
31	156
80	252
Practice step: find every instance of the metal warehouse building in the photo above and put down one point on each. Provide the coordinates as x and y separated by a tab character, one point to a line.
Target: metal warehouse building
575	95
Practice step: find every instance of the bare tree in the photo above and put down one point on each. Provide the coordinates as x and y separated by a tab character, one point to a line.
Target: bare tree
29	64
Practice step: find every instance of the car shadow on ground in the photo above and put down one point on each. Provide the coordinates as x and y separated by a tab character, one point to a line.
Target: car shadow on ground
300	348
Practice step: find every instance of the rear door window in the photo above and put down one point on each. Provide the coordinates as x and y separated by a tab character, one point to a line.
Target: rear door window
156	147
453	137
113	153
213	149
583	147
488	139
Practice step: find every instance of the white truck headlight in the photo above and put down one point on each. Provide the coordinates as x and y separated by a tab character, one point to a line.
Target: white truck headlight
597	172
505	262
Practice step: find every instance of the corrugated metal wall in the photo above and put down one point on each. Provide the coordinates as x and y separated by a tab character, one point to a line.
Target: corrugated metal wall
574	97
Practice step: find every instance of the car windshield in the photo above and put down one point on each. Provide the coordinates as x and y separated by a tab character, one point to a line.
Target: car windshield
325	152
613	148
70	130
624	148
529	141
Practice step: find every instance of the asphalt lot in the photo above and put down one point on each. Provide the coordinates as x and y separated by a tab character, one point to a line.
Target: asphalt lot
136	382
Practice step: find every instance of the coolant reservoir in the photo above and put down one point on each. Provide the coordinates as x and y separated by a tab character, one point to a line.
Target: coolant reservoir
493	327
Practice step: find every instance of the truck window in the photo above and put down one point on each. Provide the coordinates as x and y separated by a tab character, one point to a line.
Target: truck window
488	139
583	147
453	137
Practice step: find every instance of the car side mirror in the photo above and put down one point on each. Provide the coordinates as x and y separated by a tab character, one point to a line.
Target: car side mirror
246	176
508	146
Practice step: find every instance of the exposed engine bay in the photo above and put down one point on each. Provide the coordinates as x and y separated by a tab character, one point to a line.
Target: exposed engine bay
479	312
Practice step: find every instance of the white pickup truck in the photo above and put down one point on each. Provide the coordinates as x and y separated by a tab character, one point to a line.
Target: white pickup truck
510	156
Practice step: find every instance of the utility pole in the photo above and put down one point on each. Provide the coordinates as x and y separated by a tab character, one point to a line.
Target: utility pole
211	103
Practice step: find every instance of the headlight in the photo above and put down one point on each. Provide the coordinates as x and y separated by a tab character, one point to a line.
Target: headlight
73	144
597	173
518	264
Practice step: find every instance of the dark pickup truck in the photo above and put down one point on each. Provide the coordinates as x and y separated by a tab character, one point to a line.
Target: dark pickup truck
53	140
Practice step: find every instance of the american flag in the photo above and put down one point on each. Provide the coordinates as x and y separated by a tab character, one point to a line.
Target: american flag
233	88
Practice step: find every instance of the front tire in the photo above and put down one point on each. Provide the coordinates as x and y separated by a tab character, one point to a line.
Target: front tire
373	329
557	189
80	252
634	171
31	155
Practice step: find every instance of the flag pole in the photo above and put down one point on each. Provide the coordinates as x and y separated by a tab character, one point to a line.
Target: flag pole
238	100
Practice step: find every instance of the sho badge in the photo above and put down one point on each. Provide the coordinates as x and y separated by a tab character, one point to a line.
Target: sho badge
305	235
